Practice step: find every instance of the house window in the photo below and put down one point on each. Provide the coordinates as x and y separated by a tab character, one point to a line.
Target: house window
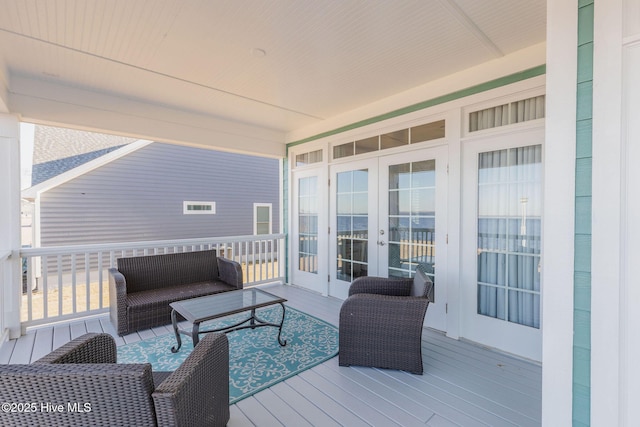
309	158
508	114
199	208
262	218
398	138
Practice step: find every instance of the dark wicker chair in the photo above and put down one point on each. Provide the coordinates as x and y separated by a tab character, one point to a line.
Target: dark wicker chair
381	323
93	390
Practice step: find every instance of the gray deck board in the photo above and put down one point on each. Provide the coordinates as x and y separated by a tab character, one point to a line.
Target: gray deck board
6	350
286	414
306	408
416	411
43	344
395	413
337	411
463	384
257	414
238	418
364	409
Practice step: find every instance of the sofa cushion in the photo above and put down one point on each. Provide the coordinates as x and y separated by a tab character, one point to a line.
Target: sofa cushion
152	307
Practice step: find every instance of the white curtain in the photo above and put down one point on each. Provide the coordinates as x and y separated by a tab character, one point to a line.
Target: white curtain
509	221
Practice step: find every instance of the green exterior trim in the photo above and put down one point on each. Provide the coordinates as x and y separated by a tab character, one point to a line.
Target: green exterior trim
581	407
483	87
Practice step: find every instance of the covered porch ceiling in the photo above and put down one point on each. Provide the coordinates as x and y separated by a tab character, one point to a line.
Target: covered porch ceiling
245	75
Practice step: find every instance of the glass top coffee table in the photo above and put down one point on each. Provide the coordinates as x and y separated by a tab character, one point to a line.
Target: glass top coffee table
201	309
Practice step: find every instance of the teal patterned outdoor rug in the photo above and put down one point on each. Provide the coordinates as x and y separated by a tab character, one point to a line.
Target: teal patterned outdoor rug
256	360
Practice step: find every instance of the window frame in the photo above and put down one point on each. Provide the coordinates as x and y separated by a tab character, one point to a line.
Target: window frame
187	211
255	217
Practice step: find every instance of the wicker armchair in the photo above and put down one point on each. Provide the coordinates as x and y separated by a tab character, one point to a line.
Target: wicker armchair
80	384
381	323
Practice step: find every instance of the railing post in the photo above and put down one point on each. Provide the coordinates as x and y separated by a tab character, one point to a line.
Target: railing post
11	280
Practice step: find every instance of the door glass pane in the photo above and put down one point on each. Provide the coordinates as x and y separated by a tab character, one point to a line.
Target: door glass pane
308	224
352	207
412	189
509	231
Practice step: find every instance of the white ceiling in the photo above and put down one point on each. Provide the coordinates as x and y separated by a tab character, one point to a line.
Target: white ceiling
323	57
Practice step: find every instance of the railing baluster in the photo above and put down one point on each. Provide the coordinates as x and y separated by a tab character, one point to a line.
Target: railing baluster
87	275
29	291
44	272
74	300
100	279
59	285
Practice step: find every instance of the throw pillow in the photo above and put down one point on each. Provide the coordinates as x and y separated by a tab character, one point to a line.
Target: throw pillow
420	283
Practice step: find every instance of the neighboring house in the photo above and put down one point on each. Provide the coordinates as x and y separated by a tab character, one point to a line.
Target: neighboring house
92	188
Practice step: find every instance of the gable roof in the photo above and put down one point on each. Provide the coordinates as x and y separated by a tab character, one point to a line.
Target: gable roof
60	155
58	150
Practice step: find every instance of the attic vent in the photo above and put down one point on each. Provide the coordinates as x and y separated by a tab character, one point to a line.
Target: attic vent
507	114
198	208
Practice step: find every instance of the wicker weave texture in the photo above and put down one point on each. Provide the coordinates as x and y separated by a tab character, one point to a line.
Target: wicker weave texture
143	287
196	394
382	327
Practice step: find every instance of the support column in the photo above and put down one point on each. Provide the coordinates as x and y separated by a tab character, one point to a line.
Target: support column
559	209
10	283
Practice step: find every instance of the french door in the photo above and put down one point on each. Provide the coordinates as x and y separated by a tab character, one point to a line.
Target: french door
384	213
502	221
309	223
353	250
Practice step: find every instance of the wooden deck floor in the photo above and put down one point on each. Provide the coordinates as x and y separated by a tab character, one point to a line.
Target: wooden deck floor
463	384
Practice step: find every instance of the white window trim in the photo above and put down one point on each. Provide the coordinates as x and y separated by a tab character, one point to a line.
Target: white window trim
187	203
255	216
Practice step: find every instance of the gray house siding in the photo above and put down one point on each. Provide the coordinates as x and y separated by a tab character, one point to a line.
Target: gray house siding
140	196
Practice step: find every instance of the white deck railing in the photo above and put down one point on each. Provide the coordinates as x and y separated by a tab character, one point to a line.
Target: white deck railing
66	282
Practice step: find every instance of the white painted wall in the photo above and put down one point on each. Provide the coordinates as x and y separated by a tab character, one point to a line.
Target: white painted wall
558	239
10	284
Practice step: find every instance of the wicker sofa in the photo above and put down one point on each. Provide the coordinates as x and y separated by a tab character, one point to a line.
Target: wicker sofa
142	287
80	384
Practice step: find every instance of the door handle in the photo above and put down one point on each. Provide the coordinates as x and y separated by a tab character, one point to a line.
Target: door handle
381	243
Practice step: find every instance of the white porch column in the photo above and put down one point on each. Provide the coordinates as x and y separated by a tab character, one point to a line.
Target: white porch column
558	238
10	283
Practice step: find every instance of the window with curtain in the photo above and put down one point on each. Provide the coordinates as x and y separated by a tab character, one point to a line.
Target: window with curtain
509	231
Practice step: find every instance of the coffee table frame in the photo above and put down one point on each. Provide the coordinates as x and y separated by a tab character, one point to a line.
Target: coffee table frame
253	321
